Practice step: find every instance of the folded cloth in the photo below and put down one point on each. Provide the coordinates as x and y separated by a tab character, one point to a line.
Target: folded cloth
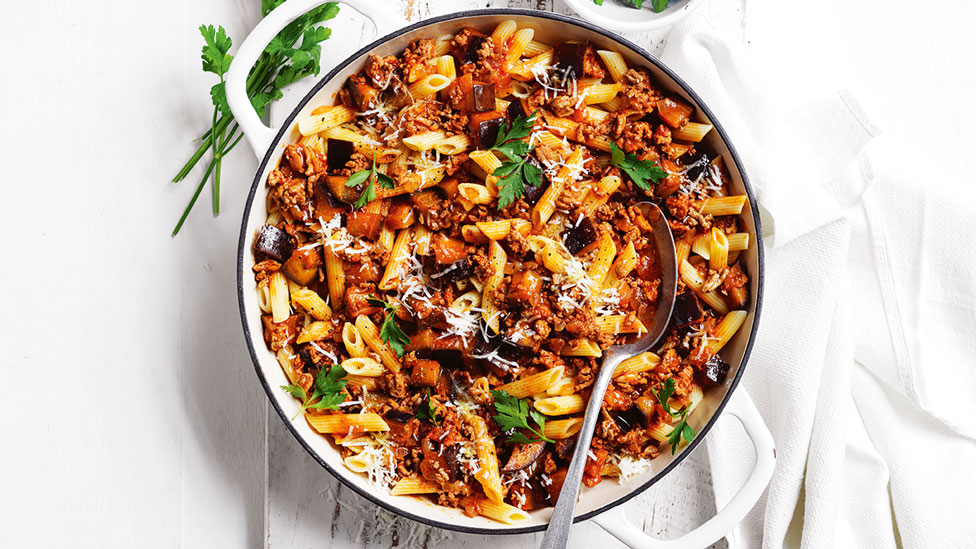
863	364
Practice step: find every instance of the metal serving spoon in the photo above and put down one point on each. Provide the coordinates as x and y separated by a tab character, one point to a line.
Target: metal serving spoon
557	534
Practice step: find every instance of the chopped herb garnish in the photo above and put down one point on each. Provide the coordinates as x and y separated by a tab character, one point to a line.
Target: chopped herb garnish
638	170
427	409
656	5
390	331
514	413
515	172
682	429
327	391
369	193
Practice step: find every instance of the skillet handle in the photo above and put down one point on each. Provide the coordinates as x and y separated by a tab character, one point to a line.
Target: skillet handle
741	406
258	135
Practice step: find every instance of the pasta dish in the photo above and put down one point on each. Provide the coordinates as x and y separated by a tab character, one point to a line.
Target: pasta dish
453	244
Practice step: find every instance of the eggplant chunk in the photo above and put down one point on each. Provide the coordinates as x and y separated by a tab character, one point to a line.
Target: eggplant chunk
337	153
570	58
471	52
274	242
302	266
449	358
337	186
515	110
715	371
486	130
564	447
579	236
629	418
687	310
532	192
483	97
697	165
396	415
459	270
524	455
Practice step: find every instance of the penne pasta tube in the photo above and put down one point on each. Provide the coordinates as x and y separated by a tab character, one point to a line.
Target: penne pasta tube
414	485
428	86
727	328
643	362
316	331
489	311
738	242
352	341
327	118
371	335
581	347
520	41
718	249
692	131
533	384
503	31
620	324
345	423
278	288
502	512
363	366
561	405
724	205
312	303
424	141
614	62
495	230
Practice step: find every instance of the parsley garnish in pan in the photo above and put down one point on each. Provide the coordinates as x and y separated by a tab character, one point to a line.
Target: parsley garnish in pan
638	170
427	410
327	390
514	413
369	193
682	429
516	171
390	331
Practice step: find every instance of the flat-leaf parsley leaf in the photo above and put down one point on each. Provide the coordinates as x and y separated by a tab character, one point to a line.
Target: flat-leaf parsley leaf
516	171
390	331
638	170
682	429
327	390
514	413
373	176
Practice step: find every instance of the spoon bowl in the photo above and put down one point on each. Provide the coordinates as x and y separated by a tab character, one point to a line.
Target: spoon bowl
557	534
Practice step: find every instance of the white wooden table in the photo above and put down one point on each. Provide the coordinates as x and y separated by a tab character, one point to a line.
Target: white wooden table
129	411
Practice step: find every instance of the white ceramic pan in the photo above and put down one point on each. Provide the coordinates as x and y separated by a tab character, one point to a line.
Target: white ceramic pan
269	144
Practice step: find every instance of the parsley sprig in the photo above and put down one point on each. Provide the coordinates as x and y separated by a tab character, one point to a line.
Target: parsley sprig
373	176
682	429
282	63
638	170
390	331
515	172
656	5
327	391
514	413
427	409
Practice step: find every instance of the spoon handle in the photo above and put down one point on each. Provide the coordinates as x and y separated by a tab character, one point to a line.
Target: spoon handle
557	534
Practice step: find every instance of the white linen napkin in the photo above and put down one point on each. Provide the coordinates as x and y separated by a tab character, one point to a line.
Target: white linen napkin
863	366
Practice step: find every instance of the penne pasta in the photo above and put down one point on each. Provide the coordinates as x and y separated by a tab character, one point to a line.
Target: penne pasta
490	312
581	347
352	341
558	429
428	86
724	205
533	384
371	335
363	366
327	118
278	288
347	423
561	405
414	485
502	512
692	131
614	62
